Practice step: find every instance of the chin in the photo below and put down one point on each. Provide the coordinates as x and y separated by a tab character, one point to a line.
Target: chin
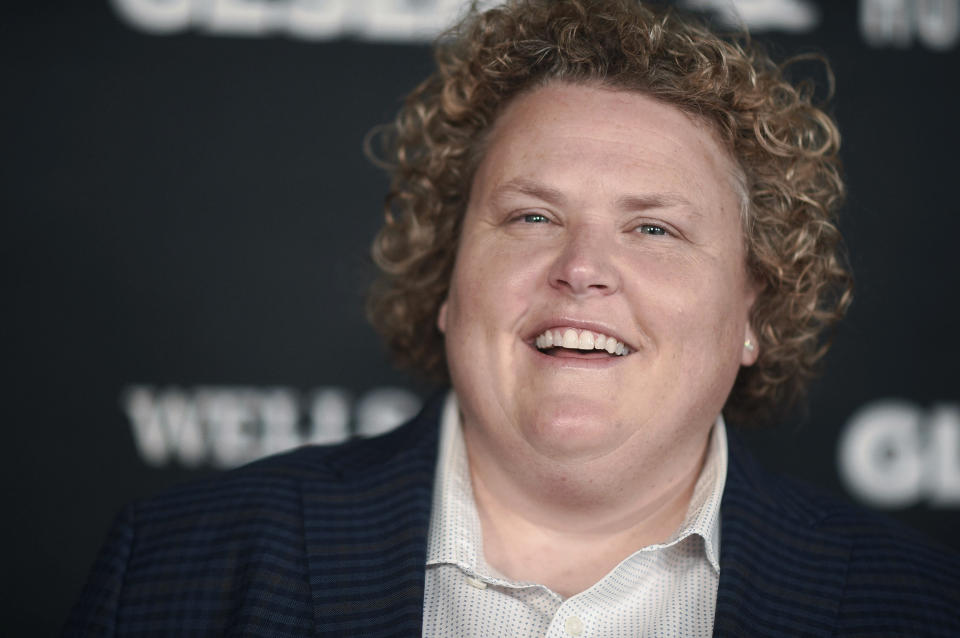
574	429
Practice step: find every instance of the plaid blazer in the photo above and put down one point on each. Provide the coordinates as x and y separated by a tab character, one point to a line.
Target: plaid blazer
332	541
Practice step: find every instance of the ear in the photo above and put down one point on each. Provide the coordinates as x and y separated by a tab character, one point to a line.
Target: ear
442	317
751	349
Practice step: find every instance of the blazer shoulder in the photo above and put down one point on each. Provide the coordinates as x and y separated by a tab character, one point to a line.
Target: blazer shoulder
867	530
898	581
870	574
873	535
232	553
271	481
268	482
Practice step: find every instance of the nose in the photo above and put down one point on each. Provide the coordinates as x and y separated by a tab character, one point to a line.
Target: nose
584	265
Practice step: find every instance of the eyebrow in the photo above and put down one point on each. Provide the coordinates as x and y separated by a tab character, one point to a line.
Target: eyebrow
523	186
628	203
656	200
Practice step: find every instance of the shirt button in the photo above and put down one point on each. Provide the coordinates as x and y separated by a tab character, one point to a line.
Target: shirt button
574	626
476	582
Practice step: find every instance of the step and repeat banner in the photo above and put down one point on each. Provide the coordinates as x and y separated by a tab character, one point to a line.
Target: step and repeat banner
187	216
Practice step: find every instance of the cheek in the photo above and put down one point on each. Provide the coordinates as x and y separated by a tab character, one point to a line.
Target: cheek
667	287
700	302
494	281
471	303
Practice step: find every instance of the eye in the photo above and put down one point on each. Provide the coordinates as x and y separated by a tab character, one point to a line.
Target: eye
651	229
535	218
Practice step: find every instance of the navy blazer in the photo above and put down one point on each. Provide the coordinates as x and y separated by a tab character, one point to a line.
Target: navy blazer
332	541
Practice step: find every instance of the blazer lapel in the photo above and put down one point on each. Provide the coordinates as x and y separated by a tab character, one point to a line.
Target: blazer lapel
781	574
366	527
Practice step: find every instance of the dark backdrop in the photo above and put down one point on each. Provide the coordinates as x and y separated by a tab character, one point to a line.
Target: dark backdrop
186	222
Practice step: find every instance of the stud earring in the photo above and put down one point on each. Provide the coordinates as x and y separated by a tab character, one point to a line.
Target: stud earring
749	345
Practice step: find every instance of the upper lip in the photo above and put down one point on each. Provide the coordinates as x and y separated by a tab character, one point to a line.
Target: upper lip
569	322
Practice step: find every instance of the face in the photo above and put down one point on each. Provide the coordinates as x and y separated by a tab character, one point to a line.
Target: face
599	300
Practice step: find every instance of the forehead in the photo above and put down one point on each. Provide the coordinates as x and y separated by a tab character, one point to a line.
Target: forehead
607	136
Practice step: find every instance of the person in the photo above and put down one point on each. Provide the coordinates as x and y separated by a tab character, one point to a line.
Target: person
608	229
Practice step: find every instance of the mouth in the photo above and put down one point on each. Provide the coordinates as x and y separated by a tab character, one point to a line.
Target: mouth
574	342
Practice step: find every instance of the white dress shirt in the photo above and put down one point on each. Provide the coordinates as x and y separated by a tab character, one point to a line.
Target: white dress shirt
667	589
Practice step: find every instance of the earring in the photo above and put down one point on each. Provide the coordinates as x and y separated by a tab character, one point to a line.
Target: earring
749	345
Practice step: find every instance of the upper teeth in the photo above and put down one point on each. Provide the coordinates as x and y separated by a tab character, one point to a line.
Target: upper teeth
580	340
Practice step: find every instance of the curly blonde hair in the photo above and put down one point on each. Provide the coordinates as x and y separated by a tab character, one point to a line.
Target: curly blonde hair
785	145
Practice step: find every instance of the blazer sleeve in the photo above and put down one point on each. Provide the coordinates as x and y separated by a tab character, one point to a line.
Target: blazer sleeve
95	613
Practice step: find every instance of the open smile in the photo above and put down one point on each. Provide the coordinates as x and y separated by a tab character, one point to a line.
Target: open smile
566	341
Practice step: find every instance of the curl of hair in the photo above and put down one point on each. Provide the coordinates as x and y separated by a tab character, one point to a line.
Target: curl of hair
785	145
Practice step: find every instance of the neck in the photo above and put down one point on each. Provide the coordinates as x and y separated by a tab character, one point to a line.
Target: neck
565	525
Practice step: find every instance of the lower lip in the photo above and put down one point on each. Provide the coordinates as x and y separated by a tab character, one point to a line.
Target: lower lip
571	359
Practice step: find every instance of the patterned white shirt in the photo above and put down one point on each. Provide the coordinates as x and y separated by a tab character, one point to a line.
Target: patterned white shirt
667	589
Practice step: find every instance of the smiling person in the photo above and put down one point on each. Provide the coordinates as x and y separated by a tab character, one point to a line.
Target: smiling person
607	229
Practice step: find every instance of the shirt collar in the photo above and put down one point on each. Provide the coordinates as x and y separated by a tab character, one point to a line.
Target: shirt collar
455	534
